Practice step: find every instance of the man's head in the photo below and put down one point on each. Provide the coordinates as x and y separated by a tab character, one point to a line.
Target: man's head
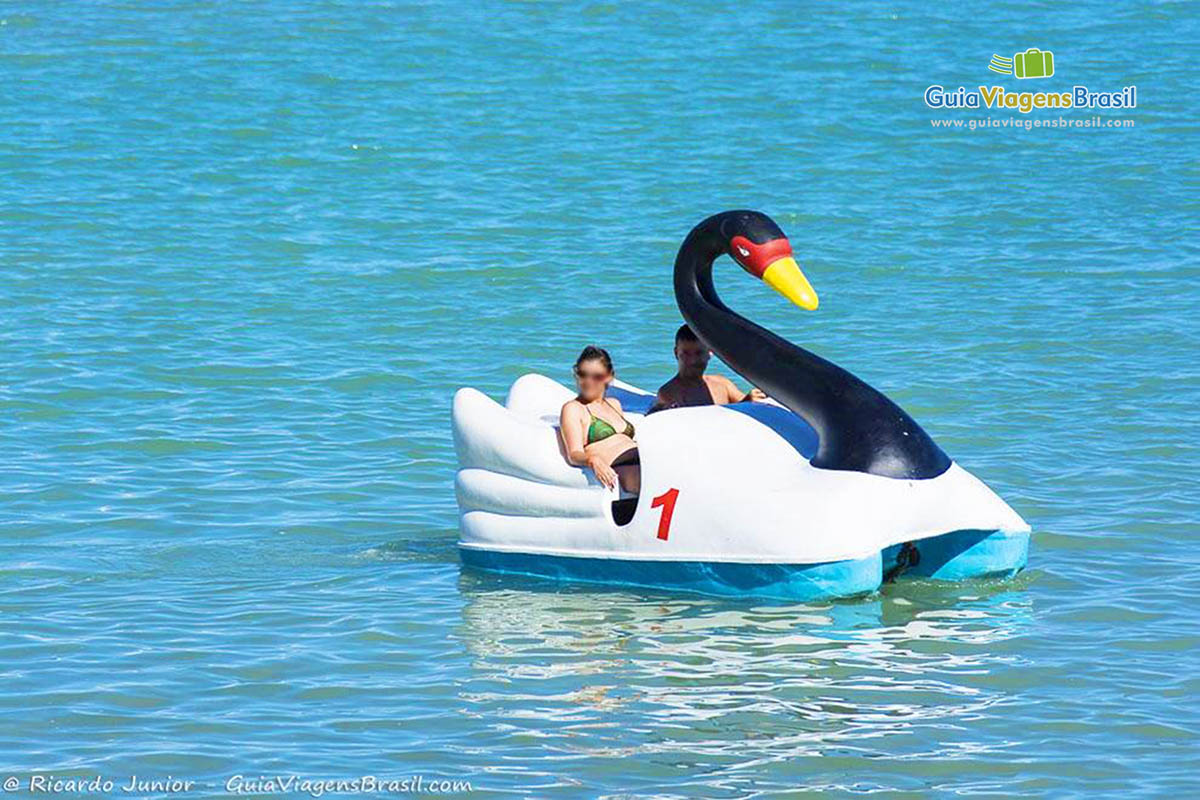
691	355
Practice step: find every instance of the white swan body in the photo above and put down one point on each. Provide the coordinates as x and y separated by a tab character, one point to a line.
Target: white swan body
730	504
825	493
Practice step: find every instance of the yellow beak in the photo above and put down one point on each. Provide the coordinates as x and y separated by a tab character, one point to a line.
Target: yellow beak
785	277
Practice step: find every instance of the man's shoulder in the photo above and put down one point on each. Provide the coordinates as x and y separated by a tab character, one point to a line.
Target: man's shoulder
666	397
721	388
670	387
718	380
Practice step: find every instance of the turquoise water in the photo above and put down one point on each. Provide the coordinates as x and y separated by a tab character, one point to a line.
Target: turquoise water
249	251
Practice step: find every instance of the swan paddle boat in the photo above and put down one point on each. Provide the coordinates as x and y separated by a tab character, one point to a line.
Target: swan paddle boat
825	490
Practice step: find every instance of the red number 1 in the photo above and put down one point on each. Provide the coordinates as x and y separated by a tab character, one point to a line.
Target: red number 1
667	501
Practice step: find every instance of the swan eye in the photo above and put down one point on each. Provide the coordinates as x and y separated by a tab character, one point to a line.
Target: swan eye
746	254
755	258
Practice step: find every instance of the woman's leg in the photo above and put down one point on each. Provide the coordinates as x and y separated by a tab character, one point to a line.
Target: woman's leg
629	470
630	476
622	455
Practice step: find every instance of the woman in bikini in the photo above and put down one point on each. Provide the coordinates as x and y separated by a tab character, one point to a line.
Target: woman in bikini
595	433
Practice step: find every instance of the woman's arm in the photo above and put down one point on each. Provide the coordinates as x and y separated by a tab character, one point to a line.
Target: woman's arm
573	429
601	455
597	457
735	395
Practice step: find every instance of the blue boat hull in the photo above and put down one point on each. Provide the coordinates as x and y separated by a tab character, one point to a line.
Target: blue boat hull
959	555
790	582
952	556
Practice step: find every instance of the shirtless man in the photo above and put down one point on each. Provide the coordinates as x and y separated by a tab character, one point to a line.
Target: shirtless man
690	386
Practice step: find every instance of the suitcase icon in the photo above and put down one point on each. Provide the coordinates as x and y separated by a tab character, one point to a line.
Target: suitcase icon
1033	63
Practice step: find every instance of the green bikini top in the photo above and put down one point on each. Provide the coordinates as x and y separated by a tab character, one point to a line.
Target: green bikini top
601	429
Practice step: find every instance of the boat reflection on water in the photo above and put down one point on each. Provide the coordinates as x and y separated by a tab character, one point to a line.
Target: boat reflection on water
722	687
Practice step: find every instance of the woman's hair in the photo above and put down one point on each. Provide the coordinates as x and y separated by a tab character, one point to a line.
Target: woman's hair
593	353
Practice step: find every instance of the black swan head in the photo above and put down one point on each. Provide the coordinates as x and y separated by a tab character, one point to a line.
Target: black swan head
859	428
